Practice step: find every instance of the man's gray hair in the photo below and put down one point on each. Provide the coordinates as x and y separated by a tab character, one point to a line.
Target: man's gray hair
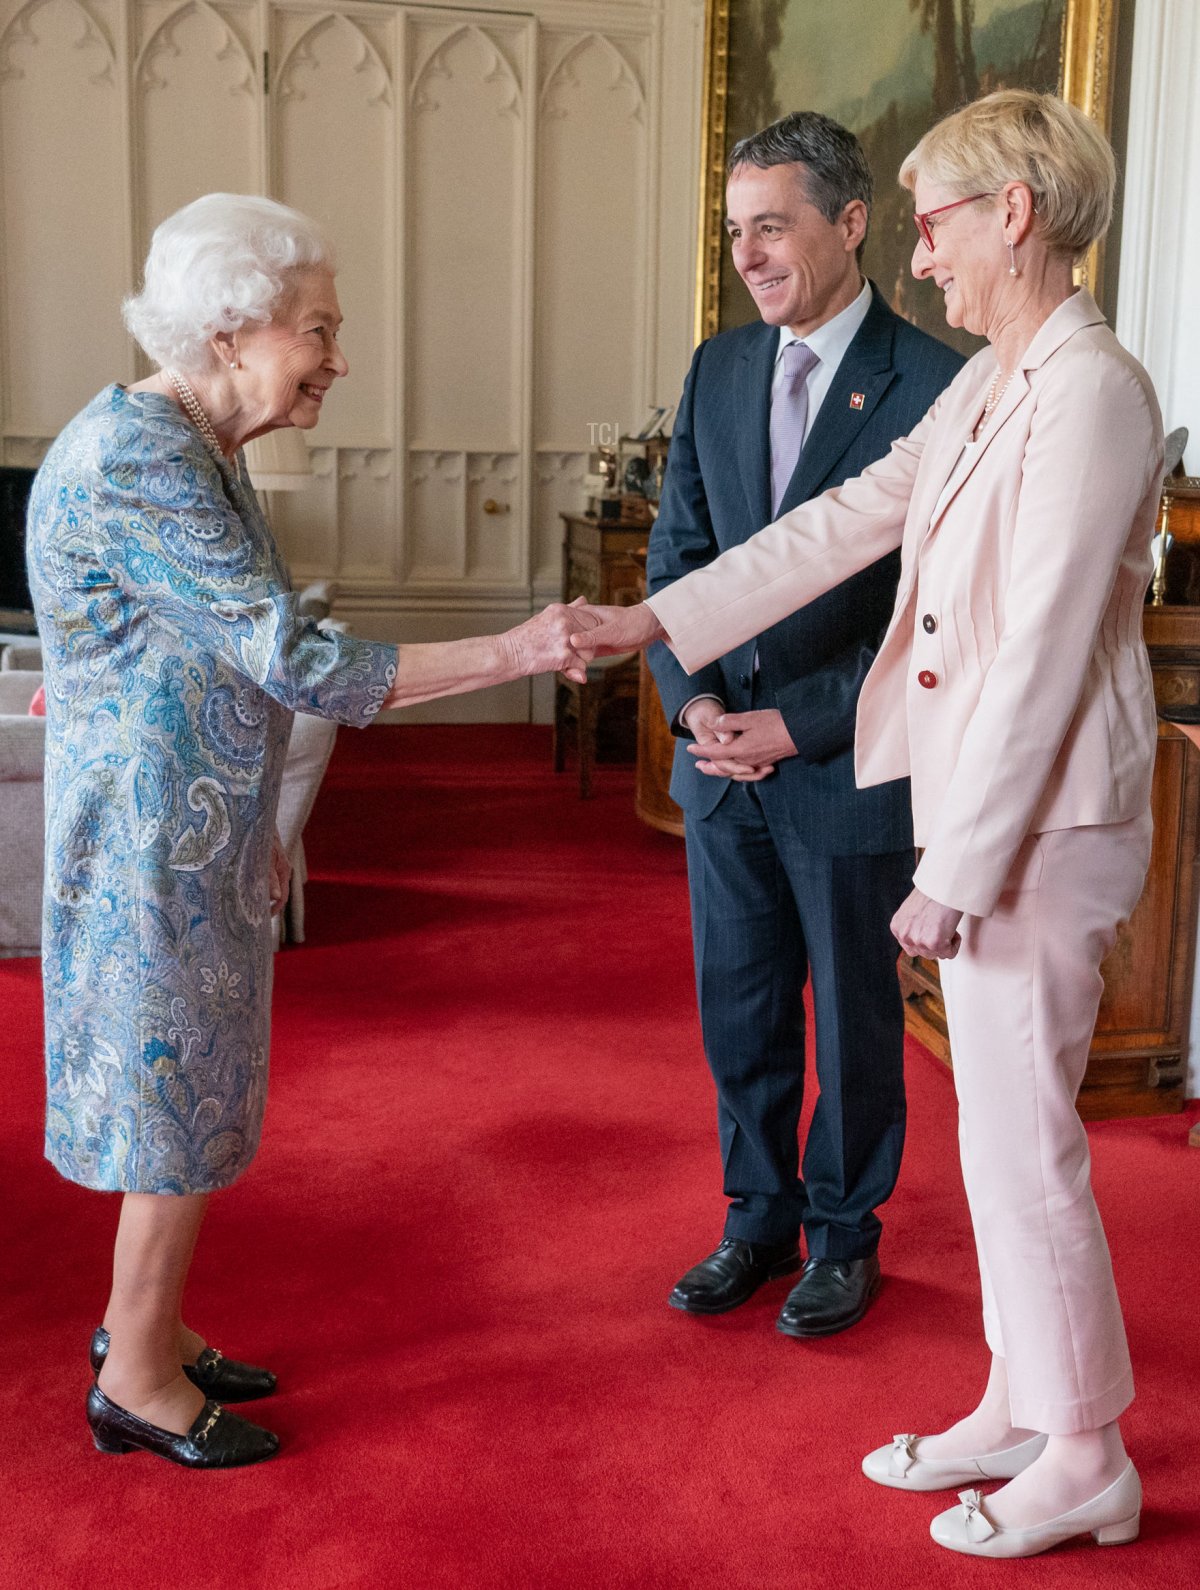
835	168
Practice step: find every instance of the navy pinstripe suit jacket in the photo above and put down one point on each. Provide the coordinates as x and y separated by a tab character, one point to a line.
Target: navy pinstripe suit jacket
717	493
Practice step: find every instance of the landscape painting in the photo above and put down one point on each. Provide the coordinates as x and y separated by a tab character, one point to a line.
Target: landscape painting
887	69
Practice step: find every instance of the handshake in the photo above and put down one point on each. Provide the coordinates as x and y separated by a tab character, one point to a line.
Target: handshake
565	638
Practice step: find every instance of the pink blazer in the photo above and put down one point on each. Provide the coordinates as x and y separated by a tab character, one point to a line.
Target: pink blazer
1012	685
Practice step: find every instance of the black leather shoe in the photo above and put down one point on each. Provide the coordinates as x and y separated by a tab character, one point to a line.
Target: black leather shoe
731	1275
216	1375
217	1440
830	1295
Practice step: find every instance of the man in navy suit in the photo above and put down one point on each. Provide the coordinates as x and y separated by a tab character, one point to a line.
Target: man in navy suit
794	873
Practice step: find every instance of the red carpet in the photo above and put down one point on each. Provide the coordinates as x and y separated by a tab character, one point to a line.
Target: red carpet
489	1154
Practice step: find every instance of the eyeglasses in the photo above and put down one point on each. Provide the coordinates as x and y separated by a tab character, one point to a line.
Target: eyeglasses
921	222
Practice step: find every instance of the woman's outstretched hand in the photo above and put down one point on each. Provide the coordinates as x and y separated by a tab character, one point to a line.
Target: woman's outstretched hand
543	643
608	631
923	927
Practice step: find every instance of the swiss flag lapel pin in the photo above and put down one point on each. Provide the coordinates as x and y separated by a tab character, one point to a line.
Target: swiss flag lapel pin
857	399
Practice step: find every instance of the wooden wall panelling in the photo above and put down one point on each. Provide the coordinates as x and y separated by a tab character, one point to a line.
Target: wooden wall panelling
335	68
558	489
306	522
595	186
197	92
63	123
434	513
467	268
366	520
497	534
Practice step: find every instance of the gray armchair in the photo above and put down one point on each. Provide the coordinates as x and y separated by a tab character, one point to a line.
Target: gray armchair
22	752
25	654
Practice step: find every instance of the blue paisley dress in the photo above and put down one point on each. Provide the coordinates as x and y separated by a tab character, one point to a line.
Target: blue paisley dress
174	659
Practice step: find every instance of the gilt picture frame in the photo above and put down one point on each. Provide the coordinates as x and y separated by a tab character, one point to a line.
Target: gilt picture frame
888	73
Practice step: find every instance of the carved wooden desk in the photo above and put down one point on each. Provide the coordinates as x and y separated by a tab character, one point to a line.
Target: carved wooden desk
1137	1058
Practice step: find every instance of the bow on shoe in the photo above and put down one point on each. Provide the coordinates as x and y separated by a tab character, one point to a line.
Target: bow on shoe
975	1521
903	1457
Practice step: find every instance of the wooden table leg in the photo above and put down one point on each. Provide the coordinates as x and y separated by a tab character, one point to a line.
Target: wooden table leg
589	718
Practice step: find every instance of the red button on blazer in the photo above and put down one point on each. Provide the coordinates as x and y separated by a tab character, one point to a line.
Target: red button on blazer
927	679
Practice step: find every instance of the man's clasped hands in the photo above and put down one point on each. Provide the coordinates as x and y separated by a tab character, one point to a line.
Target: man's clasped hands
740	745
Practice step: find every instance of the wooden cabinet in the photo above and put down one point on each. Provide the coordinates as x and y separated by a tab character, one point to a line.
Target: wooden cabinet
1137	1063
598	564
597	561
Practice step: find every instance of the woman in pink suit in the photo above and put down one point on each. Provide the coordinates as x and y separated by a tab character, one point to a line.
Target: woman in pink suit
1013	686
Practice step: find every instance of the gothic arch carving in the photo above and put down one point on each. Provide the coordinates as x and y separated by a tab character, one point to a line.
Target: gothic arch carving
301	55
498	69
623	74
162	42
20	31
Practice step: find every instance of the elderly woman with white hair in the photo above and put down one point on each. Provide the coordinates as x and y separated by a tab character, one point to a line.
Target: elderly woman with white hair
174	659
1013	685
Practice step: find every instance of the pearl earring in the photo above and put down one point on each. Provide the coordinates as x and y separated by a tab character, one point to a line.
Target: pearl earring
1012	261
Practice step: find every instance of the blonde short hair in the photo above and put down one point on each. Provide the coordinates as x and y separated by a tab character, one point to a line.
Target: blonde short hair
1015	135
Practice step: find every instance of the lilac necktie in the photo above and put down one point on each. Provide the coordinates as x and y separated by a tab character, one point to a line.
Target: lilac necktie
789	416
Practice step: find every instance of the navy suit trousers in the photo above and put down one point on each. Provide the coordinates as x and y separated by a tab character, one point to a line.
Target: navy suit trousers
766	914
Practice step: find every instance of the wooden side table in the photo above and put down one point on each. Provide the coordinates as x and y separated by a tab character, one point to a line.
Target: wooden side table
601	714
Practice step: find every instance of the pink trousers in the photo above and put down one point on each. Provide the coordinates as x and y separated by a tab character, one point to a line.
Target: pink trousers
1021	1000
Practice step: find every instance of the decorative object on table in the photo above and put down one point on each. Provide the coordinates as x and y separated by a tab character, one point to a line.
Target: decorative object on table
600	484
641	463
636	476
656	422
924	60
1160	546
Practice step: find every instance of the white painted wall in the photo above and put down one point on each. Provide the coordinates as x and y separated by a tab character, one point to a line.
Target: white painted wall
1158	308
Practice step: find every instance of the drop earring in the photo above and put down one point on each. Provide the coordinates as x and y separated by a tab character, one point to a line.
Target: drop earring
1012	261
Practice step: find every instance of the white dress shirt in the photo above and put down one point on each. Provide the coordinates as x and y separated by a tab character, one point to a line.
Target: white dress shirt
829	342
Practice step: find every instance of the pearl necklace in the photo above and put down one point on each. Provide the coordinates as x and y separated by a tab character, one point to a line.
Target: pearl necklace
194	412
992	401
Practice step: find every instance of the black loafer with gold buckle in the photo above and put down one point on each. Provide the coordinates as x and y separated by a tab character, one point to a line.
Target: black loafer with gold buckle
216	1440
215	1375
